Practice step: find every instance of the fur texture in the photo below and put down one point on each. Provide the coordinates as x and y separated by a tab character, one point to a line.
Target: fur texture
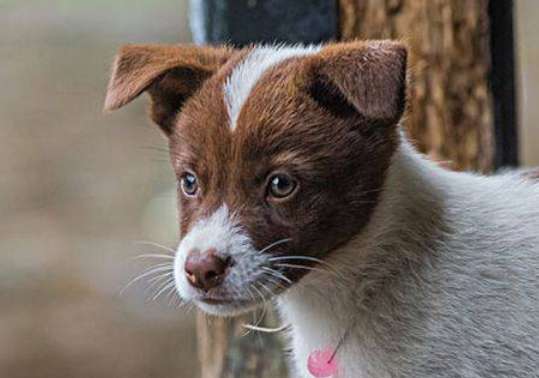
435	273
443	282
245	76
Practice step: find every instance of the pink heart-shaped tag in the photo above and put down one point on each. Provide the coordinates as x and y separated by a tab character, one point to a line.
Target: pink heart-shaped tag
322	363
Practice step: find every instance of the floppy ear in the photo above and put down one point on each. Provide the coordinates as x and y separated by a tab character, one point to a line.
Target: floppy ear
169	73
368	77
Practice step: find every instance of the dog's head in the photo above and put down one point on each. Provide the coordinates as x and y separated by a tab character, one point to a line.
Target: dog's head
280	154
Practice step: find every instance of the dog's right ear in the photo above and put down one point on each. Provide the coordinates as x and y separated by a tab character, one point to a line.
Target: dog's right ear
169	73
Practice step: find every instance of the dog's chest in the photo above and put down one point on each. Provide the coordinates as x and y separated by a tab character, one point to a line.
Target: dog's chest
313	331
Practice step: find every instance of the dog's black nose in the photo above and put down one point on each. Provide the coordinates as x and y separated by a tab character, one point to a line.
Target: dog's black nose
206	270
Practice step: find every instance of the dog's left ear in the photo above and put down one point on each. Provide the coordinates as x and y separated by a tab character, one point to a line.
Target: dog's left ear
369	76
169	73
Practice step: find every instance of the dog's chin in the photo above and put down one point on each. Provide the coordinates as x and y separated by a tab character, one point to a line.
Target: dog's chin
226	308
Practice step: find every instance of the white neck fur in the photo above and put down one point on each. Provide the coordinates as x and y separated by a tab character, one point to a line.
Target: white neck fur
405	281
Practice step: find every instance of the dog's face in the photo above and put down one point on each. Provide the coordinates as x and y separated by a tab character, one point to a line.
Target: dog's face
280	155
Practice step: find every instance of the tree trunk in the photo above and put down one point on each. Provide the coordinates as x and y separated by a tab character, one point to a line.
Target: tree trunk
450	118
450	102
228	350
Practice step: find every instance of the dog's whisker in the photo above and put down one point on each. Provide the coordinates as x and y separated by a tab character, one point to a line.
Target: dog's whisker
265	329
305	267
265	288
160	277
156	281
171	297
277	274
273	280
146	273
169	294
370	191
154	244
274	244
190	307
251	295
166	286
258	321
304	258
168	263
181	303
260	294
153	256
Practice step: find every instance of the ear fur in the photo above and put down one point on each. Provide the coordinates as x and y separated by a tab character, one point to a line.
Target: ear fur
170	74
368	76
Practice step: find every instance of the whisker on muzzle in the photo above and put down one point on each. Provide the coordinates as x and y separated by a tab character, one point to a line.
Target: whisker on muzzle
154	244
274	244
153	256
278	275
305	267
158	268
257	322
271	279
158	280
330	267
265	329
170	284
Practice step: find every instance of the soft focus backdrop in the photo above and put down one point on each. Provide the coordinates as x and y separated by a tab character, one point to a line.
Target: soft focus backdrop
79	188
527	34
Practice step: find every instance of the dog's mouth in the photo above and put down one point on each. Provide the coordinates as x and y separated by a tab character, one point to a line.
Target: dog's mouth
233	298
254	294
270	284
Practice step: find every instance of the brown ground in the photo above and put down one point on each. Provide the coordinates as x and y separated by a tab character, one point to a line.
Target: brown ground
76	189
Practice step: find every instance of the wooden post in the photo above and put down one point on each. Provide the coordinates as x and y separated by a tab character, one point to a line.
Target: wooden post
451	115
226	350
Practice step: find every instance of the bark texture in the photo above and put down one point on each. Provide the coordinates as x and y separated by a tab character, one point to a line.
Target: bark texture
228	350
449	117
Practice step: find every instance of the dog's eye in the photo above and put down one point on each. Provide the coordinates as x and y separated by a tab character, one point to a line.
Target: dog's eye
189	184
281	186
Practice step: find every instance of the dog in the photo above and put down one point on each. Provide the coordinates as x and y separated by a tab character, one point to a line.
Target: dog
297	182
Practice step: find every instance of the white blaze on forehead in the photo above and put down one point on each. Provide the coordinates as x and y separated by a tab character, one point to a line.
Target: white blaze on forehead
244	77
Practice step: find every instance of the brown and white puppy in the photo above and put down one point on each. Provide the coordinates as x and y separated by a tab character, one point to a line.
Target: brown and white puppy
268	144
295	181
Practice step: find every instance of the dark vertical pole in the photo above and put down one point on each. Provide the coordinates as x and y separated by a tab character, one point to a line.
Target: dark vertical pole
502	81
241	22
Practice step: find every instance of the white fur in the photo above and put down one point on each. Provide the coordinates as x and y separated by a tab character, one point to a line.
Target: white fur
443	282
244	77
221	232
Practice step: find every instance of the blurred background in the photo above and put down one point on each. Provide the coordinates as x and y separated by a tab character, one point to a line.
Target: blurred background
78	189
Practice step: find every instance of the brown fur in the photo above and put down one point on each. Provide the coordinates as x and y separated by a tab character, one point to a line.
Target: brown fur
313	117
169	73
